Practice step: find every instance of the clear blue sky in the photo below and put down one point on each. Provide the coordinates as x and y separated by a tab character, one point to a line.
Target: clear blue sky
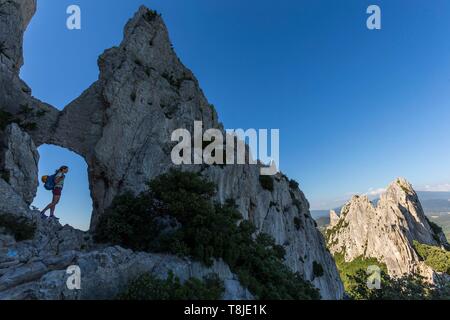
356	108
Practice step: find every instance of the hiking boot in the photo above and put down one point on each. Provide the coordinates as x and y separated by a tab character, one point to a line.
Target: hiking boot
54	218
43	216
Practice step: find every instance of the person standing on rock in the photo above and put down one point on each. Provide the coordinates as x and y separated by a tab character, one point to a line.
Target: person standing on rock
60	176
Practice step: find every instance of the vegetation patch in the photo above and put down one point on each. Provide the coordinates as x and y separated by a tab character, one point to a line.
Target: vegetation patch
298	204
148	287
317	269
298	223
293	184
176	216
267	183
436	258
408	287
150	15
19	227
437	230
7	118
5	175
349	269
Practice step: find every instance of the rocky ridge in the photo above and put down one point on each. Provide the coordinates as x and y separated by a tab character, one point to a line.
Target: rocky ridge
385	231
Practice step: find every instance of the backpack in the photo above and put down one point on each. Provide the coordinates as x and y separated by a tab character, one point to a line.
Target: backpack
49	182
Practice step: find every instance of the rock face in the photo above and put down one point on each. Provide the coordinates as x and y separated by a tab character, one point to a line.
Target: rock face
11	202
122	127
385	232
15	16
37	269
20	161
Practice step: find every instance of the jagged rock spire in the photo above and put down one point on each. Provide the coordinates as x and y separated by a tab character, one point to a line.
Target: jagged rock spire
385	232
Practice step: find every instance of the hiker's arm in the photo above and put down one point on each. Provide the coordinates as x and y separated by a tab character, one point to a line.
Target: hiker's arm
57	180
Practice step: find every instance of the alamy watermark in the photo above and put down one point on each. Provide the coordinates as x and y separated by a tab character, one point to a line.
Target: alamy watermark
74	280
213	148
374	20
374	277
73	22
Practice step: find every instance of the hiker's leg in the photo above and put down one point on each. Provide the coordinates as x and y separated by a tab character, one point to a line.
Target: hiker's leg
53	205
46	208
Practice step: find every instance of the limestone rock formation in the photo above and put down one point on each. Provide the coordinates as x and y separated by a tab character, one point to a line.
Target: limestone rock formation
11	202
15	16
385	232
122	127
334	218
20	159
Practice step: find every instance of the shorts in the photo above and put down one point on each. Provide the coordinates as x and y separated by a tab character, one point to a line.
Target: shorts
57	191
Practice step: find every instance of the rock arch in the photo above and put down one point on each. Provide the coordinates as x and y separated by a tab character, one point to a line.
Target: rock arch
122	126
75	208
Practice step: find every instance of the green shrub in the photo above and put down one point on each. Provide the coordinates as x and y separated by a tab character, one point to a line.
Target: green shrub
19	227
441	292
148	287
130	222
205	231
298	223
436	258
25	110
436	229
41	113
151	15
266	182
317	269
28	126
293	184
408	287
298	204
349	269
5	119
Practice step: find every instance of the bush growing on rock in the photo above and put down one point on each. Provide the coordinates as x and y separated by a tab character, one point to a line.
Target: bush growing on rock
436	258
294	185
130	222
148	287
21	228
317	269
266	183
348	270
408	287
5	119
176	215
